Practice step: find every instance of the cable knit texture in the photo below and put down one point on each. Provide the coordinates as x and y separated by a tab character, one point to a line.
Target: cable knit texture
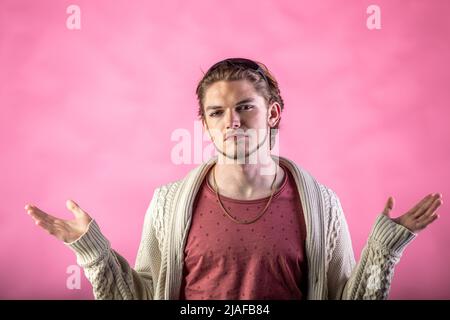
157	274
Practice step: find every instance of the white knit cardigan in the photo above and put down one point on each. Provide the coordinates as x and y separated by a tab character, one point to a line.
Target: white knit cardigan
332	270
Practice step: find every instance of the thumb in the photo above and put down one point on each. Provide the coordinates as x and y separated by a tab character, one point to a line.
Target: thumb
389	206
75	209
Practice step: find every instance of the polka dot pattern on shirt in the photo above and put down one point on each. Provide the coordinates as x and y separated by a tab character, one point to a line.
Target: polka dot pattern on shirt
261	260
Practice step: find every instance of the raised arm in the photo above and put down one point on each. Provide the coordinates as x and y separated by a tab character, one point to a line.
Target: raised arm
371	277
109	273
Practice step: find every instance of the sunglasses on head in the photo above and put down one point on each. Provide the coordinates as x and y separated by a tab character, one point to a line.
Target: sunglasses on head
241	62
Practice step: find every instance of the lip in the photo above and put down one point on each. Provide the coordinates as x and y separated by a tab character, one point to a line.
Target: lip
236	135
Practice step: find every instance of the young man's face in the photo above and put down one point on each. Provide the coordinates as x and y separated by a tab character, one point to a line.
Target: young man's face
235	107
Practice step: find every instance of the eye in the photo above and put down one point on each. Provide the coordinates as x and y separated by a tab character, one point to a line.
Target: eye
214	113
241	107
246	106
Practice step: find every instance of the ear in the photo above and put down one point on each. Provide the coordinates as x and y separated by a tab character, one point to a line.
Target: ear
273	114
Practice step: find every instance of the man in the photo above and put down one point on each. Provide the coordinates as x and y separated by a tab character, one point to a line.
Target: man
246	224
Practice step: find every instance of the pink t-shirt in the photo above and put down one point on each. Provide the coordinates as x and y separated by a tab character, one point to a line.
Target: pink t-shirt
225	260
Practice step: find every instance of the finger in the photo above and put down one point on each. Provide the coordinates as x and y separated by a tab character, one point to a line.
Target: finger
39	220
57	229
424	207
46	226
427	206
38	213
75	208
37	216
426	222
388	207
421	203
432	209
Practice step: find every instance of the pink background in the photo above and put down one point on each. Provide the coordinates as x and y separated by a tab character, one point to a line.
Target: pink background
88	115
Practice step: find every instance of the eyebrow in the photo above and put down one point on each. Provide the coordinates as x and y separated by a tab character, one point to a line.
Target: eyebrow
247	100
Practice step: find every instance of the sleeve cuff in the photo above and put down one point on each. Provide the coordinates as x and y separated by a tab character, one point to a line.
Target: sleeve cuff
91	246
391	235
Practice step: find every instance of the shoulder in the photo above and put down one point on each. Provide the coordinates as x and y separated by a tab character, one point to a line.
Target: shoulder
165	190
156	217
334	220
162	196
311	183
334	214
330	198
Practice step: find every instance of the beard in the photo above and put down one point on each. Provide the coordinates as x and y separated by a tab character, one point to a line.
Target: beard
241	149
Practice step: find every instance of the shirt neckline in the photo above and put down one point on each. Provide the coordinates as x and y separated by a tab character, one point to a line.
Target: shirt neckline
275	195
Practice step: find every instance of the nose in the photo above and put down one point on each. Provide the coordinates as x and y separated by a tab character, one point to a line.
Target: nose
232	120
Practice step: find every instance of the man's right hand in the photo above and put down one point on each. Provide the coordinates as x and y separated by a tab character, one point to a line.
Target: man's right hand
64	230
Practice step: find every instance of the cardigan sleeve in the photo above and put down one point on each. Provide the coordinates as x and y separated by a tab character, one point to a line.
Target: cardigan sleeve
371	277
109	273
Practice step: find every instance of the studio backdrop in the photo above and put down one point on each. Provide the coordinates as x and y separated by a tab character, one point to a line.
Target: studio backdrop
98	105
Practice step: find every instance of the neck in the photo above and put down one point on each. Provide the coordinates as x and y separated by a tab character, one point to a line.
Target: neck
246	181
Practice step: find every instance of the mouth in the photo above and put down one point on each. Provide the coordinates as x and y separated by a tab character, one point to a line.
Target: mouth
237	136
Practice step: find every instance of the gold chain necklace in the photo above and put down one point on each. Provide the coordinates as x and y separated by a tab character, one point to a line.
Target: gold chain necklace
216	189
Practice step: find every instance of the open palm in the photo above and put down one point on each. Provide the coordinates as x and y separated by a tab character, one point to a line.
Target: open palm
420	216
64	230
